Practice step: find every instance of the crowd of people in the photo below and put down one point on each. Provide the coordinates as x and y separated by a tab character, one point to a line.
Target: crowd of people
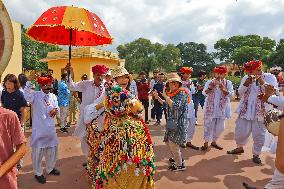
114	136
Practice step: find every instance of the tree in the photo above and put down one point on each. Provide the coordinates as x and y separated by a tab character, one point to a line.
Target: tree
277	57
225	48
33	51
141	54
195	55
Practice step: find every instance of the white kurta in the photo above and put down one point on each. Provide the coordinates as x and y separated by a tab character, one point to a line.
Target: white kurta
92	113
43	129
217	97
214	127
249	123
191	112
89	94
250	113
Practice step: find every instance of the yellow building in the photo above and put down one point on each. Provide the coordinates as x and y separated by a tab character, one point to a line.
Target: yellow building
15	64
83	59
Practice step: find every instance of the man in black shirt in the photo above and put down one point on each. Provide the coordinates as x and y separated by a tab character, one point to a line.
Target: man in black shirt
158	107
198	97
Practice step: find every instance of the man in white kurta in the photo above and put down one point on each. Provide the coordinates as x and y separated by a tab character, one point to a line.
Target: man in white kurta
189	87
91	90
218	92
44	141
251	110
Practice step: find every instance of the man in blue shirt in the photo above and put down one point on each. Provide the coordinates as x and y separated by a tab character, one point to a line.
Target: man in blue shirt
63	102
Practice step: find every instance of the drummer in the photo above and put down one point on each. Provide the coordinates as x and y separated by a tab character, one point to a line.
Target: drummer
277	180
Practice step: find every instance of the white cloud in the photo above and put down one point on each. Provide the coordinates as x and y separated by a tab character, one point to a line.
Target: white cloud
170	21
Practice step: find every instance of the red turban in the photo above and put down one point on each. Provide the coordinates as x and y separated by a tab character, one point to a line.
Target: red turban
221	69
252	65
100	69
184	70
44	81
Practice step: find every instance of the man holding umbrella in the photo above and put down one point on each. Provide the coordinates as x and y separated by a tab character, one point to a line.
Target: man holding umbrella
91	90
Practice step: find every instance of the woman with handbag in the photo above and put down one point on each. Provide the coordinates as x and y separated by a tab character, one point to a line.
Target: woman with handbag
176	99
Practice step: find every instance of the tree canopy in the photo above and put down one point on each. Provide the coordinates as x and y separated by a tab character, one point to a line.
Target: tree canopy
277	57
142	55
240	49
195	55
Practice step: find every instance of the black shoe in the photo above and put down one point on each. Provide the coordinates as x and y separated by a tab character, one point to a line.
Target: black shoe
175	168
54	172
64	130
256	159
19	167
248	186
172	161
41	179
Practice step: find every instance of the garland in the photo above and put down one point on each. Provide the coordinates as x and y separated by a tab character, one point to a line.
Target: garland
179	90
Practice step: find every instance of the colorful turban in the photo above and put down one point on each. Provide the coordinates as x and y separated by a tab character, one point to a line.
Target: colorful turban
100	69
184	70
252	65
44	81
221	69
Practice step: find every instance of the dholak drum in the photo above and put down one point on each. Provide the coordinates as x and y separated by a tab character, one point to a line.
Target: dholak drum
272	121
6	38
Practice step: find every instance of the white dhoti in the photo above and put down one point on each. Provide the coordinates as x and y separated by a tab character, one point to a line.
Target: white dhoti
246	127
80	131
213	129
191	122
277	181
50	155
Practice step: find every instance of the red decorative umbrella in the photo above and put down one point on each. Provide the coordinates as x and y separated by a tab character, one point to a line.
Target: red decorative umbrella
71	26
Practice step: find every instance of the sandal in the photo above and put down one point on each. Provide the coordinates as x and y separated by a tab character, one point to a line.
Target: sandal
256	159
236	151
214	145
189	145
204	148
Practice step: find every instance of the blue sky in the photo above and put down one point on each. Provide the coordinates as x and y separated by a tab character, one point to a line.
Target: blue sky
170	21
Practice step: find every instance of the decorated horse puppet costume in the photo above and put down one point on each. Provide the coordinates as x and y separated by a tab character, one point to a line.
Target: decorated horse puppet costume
121	152
218	92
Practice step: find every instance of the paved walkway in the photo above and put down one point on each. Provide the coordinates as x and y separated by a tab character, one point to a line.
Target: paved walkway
213	169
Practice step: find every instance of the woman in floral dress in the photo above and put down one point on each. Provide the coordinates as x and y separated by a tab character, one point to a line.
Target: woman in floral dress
177	100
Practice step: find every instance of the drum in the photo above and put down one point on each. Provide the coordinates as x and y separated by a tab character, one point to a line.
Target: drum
272	121
6	38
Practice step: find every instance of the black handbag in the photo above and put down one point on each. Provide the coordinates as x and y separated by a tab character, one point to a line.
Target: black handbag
172	124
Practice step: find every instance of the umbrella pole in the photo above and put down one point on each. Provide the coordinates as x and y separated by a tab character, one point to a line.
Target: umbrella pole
70	50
